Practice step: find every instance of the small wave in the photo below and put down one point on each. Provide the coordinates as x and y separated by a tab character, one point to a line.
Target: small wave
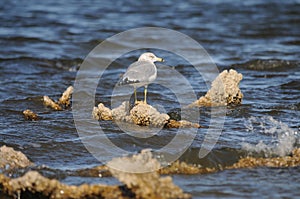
294	84
292	42
65	64
18	39
268	64
283	140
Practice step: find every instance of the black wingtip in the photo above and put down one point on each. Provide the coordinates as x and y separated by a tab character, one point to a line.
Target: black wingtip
127	81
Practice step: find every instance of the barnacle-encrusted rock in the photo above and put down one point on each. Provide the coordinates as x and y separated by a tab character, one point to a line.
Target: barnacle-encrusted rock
224	90
33	185
65	99
30	115
141	114
122	113
146	115
11	159
102	113
63	102
50	103
284	161
182	124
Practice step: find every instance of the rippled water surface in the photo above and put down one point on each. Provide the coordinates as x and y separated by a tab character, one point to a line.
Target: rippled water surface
43	44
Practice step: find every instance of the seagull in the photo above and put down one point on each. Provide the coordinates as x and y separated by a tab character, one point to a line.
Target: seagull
141	73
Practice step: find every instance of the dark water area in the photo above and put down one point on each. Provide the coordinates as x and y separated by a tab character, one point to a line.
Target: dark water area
43	44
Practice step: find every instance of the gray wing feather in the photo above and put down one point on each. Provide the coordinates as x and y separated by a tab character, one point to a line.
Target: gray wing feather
139	71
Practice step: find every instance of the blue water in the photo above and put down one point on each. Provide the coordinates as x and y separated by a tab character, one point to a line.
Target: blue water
43	44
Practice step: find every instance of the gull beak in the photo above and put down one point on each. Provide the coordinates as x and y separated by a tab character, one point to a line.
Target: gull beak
160	59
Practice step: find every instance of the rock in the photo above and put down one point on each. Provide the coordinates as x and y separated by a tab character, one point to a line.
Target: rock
50	103
178	167
284	161
65	99
122	113
63	102
224	91
175	114
33	185
182	124
102	113
146	115
139	174
30	115
141	114
11	159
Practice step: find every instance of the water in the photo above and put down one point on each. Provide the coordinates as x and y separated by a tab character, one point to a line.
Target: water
44	43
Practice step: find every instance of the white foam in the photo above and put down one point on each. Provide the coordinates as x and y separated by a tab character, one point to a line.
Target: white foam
283	138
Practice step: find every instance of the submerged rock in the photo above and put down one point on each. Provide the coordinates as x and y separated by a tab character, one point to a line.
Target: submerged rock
284	161
267	64
30	115
178	167
224	91
182	124
11	159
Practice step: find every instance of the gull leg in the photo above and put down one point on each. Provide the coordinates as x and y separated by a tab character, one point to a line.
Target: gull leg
135	98
145	96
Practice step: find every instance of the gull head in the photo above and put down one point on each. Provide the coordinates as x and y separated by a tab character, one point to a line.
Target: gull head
150	57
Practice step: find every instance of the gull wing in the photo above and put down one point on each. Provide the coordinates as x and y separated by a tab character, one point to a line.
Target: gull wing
139	72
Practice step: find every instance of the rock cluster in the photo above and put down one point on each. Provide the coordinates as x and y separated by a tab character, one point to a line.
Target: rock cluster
63	102
139	174
224	91
146	183
141	114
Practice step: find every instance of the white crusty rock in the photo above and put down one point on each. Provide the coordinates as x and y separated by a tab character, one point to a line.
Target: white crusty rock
141	114
224	90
